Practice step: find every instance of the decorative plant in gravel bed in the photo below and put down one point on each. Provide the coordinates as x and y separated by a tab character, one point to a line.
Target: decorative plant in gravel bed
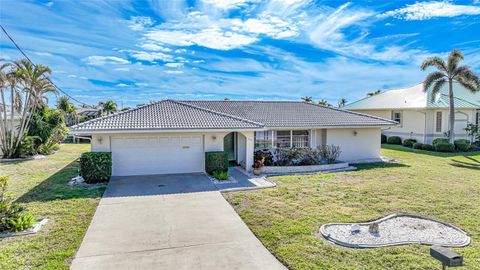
13	217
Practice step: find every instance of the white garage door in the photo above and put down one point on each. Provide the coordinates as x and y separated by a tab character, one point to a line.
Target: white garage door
157	155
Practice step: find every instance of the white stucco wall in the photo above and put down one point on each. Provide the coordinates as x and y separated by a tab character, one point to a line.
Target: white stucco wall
249	148
241	148
365	144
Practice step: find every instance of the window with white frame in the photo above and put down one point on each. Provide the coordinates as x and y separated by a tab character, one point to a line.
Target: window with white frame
300	138
263	139
282	139
397	116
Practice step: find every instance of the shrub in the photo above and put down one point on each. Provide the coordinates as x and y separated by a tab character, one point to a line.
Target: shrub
440	140
462	145
409	142
265	155
330	153
12	216
220	175
384	138
444	147
428	147
216	161
96	166
417	145
394	140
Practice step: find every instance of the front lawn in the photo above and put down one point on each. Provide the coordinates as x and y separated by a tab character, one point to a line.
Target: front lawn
440	185
41	186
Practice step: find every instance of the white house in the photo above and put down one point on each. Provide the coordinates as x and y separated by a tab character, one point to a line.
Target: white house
419	116
172	136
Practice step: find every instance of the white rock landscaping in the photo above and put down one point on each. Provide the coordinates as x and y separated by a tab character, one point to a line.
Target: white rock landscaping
394	230
34	229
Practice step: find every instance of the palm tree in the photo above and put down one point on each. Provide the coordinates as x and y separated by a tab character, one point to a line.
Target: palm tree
325	103
374	93
307	99
67	109
342	102
448	73
28	85
108	107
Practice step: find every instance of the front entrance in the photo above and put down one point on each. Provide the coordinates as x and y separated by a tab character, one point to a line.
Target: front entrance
229	146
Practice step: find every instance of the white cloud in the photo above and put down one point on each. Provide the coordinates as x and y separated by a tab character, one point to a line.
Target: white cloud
96	60
173	71
228	4
270	26
83	78
174	65
122	69
428	10
121	85
43	53
152	56
155	47
72	76
138	23
49	4
141	84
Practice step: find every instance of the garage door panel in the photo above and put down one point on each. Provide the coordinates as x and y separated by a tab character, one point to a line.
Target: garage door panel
157	155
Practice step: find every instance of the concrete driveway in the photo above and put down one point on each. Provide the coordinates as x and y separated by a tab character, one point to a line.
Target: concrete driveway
169	222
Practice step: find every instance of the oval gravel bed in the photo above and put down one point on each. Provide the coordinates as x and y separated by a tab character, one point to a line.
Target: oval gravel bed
395	230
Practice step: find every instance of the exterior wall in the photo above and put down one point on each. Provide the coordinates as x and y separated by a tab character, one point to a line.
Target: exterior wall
319	138
356	144
249	148
421	124
241	148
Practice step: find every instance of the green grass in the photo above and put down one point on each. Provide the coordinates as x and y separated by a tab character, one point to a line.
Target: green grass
445	186
41	186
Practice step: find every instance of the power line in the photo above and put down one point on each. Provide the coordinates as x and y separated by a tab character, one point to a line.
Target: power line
29	60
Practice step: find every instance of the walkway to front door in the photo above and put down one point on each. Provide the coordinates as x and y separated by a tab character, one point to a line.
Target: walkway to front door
169	222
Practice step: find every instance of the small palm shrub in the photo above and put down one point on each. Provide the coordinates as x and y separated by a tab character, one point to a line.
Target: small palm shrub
330	153
409	142
444	147
220	175
216	161
428	147
440	140
266	155
384	138
96	167
394	140
417	146
13	218
462	145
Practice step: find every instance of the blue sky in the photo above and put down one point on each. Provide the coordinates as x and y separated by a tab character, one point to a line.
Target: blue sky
138	51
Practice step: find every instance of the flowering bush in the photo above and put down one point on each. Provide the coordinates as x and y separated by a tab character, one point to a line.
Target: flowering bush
298	156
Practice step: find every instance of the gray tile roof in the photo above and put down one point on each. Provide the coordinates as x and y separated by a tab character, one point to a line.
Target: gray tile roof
292	114
171	115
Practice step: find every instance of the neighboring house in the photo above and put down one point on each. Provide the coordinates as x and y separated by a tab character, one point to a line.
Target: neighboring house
88	113
16	124
172	136
419	116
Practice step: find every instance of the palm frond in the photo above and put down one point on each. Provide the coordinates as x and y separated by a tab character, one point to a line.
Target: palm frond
437	86
432	78
454	58
472	85
434	62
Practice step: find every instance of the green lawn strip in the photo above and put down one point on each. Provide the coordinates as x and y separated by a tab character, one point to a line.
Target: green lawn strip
41	186
286	218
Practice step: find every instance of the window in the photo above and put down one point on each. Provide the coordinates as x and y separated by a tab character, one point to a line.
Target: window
438	122
300	138
263	139
397	116
282	140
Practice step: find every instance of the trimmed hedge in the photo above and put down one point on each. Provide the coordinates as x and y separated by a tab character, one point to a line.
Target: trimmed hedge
409	142
462	145
428	147
384	138
444	147
216	161
96	167
417	146
440	140
394	140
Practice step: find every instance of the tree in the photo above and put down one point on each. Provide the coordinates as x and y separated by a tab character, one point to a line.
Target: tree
27	85
342	102
448	73
374	93
325	103
67	110
307	99
108	107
